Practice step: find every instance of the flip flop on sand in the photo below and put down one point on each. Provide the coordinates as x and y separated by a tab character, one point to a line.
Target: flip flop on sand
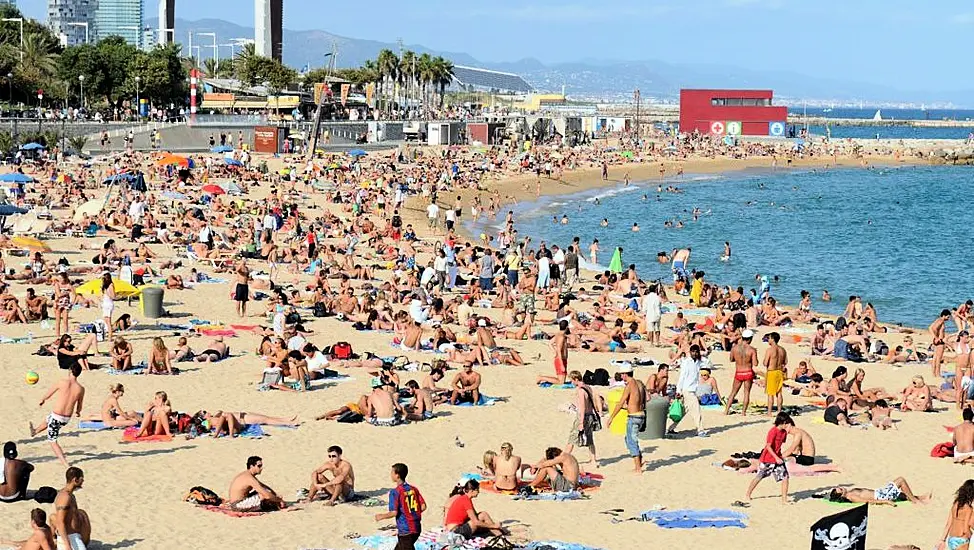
740	504
612	512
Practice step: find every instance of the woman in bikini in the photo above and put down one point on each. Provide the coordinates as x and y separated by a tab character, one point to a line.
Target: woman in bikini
121	354
159	361
112	414
506	468
871	394
156	419
63	300
960	521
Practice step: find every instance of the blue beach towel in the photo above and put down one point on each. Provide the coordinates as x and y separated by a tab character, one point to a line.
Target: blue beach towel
93	425
691	519
557	497
565	386
483	402
558	545
254	431
116	372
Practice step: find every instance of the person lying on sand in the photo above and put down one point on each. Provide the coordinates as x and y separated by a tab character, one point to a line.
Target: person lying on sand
248	494
335	479
837	412
895	491
746	466
233	422
559	469
215	351
358	407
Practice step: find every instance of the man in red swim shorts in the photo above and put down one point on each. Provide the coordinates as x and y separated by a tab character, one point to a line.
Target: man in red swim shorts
745	358
560	346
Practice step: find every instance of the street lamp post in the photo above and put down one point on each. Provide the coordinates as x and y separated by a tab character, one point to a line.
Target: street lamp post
216	49
81	79
10	89
81	24
21	21
138	100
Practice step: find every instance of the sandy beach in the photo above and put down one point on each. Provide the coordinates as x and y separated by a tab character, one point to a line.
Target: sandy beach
134	492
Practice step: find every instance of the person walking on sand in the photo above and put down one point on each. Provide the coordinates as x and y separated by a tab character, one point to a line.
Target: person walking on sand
406	504
745	358
560	346
71	524
686	388
587	419
938	333
633	399
772	464
70	399
960	521
241	291
775	362
653	307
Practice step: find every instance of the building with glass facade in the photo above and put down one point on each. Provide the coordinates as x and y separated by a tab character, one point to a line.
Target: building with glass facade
123	18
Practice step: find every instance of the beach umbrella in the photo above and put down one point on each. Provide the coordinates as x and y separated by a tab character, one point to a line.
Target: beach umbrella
90	208
615	265
30	243
10	210
357	153
127	177
221	149
15	177
214	189
175	159
31	147
122	289
174	196
232	162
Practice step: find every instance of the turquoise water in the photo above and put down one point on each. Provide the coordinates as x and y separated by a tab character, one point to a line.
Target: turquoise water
899	237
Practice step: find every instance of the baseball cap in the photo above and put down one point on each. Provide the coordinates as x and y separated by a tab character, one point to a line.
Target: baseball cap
747	333
481	323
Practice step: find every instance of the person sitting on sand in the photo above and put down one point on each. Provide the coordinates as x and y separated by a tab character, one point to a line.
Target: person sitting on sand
803	372
429	383
68	355
112	414
916	396
963	438
42	536
461	516
182	352
248	494
657	382
155	421
72	526
121	354
159	362
381	407
881	415
505	469
422	406
335	478
895	491
871	394
560	470
802	449
465	386
16	475
215	351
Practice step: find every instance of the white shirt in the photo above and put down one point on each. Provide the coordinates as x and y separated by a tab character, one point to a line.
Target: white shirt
279	323
417	312
317	361
690	375
451	216
439	264
653	307
270	222
432	211
296	343
205	234
559	258
137	210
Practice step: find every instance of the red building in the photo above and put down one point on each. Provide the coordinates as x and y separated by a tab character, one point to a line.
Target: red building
731	112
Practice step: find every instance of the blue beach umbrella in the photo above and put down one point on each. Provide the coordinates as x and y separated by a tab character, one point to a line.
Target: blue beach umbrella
357	153
15	177
221	149
32	146
10	210
233	162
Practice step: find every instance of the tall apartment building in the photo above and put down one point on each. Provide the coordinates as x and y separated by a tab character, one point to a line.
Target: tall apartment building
72	20
167	22
268	28
123	18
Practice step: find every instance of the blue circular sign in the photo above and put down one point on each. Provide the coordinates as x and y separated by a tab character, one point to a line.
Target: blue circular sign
776	129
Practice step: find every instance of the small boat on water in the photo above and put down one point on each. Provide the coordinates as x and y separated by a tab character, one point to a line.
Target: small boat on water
878	115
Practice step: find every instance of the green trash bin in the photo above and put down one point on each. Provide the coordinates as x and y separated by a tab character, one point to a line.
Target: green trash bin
152	302
656	410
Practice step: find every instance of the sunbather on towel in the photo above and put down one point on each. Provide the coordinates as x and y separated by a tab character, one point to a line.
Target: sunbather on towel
559	469
746	466
215	351
889	494
234	422
112	414
382	406
248	494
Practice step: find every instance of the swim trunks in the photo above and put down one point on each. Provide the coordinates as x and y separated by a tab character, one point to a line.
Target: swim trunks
241	293
249	504
54	424
768	469
385	421
353	407
744	376
74	542
562	485
804	460
889	492
775	380
561	367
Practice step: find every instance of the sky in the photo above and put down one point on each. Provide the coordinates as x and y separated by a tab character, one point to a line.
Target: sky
904	44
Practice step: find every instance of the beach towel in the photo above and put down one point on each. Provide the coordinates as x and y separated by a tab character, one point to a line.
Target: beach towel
484	401
565	386
93	425
116	372
130	433
434	539
218	332
557	497
942	450
246	328
557	545
231	513
254	431
692	519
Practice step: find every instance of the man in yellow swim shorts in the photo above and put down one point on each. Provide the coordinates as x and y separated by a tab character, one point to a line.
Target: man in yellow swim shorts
775	362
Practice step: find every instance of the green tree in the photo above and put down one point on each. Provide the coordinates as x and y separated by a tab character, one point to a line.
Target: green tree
114	55
162	76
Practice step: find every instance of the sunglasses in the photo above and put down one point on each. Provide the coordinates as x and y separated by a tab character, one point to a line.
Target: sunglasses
332	456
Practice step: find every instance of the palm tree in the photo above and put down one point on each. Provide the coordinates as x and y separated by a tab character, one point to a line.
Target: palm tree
426	73
40	60
407	73
243	61
210	67
388	65
443	75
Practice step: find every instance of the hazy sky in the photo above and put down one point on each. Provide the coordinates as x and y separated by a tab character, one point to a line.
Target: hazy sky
907	44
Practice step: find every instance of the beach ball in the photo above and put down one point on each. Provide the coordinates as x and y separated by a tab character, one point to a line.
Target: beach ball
32	378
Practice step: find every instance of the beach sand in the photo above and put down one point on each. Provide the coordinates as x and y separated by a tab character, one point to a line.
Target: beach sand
133	492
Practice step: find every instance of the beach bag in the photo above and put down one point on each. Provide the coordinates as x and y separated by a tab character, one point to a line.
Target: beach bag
676	411
203	497
292	318
599	377
45	495
319	310
710	399
341	350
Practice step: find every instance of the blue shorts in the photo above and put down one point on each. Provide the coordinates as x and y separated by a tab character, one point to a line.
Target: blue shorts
634	424
486	283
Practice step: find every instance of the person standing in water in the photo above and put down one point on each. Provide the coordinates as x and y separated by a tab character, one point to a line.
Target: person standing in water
727	252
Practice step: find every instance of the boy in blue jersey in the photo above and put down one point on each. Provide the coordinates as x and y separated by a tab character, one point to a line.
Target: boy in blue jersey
407	506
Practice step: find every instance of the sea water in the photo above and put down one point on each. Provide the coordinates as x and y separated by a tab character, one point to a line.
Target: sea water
899	237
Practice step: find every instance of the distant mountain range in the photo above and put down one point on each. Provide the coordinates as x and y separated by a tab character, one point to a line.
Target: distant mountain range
603	80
